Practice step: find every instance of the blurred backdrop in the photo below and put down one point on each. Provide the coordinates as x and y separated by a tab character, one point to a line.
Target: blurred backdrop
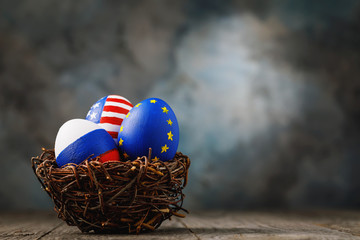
267	93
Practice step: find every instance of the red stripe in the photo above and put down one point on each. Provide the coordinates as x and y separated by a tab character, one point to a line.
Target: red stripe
111	120
115	109
113	134
119	101
112	155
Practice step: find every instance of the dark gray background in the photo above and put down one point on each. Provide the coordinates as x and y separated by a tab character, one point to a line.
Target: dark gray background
267	93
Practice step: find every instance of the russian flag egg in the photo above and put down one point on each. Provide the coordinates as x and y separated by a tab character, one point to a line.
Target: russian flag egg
79	139
109	113
150	124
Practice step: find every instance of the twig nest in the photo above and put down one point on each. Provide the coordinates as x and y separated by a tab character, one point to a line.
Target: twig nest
114	196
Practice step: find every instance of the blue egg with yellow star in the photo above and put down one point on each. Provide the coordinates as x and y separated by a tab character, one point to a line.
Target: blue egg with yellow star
149	124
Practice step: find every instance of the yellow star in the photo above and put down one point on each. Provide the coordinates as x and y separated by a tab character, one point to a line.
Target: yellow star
127	115
121	128
165	110
170	135
155	159
164	148
153	101
169	122
121	142
137	105
125	155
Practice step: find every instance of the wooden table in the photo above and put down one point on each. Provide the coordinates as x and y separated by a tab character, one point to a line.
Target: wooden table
202	225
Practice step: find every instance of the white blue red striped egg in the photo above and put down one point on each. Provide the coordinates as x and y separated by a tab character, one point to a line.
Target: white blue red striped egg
79	139
150	124
109	112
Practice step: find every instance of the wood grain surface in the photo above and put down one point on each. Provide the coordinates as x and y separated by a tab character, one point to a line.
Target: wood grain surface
329	224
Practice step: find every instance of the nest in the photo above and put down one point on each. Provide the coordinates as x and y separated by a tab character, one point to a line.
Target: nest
131	196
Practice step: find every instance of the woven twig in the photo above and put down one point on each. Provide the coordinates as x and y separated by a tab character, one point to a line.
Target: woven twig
131	196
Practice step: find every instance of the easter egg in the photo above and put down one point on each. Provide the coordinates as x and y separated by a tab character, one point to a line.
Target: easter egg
79	139
109	112
150	124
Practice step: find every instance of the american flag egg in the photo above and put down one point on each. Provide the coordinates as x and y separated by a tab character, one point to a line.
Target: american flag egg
109	112
149	124
80	139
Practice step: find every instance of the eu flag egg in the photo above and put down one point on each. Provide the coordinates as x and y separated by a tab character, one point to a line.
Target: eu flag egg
79	139
150	124
109	112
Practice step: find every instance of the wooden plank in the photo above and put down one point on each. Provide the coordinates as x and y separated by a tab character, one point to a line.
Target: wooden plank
27	225
168	230
344	221
202	225
252	225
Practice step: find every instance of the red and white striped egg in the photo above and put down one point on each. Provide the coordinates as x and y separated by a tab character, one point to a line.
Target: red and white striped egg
109	112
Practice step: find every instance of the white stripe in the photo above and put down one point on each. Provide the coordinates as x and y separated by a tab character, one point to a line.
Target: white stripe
117	97
116	104
110	127
113	114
